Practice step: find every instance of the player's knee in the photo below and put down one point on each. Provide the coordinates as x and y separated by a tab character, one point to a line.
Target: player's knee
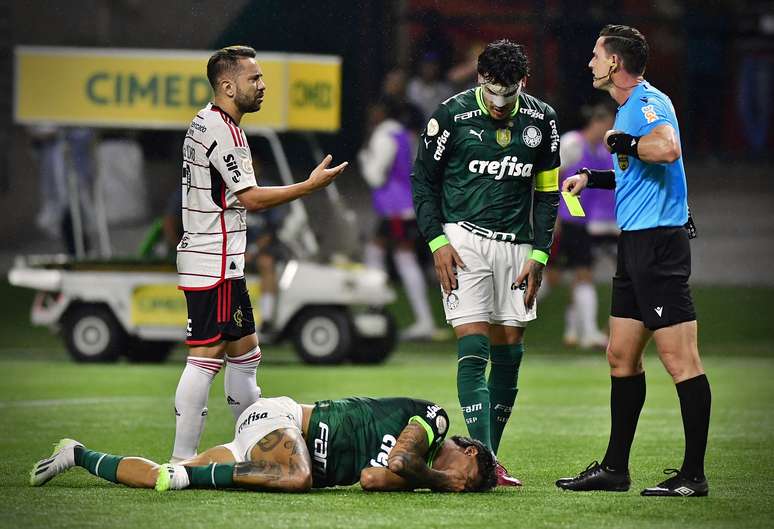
621	362
680	365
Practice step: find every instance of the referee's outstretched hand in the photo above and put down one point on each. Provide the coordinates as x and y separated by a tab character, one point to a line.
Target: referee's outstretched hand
321	175
447	260
575	183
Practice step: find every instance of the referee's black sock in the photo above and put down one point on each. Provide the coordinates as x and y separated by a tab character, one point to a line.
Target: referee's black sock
695	401
627	395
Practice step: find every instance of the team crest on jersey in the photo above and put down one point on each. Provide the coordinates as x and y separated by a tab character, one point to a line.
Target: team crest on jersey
238	318
247	165
532	136
452	301
503	137
623	162
432	127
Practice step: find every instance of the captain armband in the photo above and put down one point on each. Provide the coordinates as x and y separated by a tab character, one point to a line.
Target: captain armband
599	179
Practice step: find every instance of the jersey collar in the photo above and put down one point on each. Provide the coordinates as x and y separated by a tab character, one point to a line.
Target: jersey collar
482	105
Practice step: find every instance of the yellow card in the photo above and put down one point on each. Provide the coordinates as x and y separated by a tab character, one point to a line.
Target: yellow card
573	204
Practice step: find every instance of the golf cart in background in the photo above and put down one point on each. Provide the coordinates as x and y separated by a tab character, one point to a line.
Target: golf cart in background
108	308
104	307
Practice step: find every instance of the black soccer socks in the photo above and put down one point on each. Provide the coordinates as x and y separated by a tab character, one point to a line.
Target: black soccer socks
695	402
627	395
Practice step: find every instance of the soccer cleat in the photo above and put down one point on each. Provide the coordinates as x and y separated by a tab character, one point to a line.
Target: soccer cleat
596	477
171	477
504	479
678	485
62	458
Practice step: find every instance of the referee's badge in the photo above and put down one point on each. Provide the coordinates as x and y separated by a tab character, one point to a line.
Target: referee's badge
452	301
503	137
623	162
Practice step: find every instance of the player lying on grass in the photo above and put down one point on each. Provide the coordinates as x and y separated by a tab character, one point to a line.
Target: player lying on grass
391	444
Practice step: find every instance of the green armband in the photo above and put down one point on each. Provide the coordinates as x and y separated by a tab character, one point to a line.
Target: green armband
436	243
539	256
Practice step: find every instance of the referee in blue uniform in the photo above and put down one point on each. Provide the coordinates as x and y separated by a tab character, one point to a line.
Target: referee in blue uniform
651	296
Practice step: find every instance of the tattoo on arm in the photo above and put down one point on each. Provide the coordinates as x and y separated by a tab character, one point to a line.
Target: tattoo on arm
279	462
271	440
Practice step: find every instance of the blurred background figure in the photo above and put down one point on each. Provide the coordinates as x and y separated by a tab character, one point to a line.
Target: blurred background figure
267	252
427	89
385	163
394	89
576	238
66	172
463	74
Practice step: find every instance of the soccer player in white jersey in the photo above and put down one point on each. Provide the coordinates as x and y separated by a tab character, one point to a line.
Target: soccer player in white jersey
219	186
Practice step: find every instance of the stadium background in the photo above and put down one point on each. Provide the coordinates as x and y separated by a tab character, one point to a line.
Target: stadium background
704	54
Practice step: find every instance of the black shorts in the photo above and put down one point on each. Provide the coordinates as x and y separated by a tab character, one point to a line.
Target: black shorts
651	278
574	246
395	229
219	313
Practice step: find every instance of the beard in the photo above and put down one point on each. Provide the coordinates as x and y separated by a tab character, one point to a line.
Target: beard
246	103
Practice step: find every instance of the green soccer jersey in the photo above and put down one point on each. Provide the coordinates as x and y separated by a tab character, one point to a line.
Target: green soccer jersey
345	436
499	175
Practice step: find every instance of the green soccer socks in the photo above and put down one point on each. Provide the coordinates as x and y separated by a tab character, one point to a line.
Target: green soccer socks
473	356
503	387
101	465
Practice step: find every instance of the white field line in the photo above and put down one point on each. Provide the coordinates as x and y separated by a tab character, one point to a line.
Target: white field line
88	401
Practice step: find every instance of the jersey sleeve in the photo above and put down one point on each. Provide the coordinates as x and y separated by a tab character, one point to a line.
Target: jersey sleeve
435	422
546	197
653	113
231	157
427	175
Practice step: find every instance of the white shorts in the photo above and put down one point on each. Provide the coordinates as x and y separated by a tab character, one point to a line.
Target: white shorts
259	420
485	289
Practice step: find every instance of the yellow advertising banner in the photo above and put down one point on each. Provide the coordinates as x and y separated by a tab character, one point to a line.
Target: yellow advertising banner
164	89
163	305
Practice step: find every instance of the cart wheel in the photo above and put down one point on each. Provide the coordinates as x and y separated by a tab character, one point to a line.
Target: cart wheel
148	351
92	334
322	335
376	350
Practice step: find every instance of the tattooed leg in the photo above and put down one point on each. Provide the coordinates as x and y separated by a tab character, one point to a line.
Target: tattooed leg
279	461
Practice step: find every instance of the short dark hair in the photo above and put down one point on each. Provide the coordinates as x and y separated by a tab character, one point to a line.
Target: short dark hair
629	44
225	60
486	463
503	62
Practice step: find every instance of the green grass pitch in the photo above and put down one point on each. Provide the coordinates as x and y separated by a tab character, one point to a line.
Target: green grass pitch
560	424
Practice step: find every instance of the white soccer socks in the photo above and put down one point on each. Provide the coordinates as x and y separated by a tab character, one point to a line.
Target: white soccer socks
585	302
416	291
191	404
240	385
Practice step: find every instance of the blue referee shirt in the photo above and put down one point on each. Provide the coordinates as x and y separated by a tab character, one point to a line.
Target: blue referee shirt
648	195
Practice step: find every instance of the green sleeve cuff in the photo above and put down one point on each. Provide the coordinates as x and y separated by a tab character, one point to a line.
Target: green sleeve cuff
539	256
423	423
436	243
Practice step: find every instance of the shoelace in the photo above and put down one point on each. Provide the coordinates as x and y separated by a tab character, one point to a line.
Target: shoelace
669	471
592	466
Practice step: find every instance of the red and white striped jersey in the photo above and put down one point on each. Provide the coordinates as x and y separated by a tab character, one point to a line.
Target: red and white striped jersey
216	165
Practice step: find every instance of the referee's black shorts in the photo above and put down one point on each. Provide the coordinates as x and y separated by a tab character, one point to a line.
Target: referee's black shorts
651	277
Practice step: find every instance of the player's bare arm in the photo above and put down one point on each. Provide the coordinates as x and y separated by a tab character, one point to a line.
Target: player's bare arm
407	461
446	261
661	145
279	462
379	479
257	197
